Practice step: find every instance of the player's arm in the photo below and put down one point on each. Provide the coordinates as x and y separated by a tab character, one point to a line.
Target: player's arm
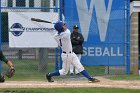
81	39
74	41
57	39
4	59
10	64
11	71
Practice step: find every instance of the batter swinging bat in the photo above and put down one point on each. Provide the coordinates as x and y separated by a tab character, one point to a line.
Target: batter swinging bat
40	20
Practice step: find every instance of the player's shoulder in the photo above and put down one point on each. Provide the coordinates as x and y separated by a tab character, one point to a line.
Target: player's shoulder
68	31
56	35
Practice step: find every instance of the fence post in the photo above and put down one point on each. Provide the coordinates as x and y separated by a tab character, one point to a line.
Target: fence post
128	37
0	37
60	11
43	57
56	58
20	54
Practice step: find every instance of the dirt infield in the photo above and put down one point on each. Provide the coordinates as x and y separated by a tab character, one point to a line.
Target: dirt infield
135	84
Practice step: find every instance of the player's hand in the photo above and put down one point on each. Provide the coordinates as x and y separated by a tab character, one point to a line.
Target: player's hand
10	72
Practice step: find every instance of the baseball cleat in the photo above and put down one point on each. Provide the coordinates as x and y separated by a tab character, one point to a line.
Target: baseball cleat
49	78
71	74
78	74
93	80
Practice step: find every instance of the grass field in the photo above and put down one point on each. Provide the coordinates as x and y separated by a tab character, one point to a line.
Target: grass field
28	70
124	77
70	90
25	70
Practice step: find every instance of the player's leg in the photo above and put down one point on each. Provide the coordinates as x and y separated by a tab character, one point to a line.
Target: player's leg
66	64
79	66
2	79
63	71
71	69
81	69
76	70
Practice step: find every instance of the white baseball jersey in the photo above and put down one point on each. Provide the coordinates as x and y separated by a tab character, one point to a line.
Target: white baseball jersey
68	57
64	41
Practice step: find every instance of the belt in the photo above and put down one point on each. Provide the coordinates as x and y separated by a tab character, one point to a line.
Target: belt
66	52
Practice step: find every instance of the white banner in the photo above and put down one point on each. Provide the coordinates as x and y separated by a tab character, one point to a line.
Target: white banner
24	33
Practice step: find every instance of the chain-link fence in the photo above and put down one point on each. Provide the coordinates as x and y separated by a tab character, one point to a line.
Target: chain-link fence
105	27
30	63
34	63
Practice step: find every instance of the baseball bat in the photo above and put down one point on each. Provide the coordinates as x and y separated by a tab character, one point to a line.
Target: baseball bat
41	20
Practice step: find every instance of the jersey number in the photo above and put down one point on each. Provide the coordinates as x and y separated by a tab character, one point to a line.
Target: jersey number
60	42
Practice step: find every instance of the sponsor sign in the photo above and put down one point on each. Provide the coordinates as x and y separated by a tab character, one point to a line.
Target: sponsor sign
24	33
102	24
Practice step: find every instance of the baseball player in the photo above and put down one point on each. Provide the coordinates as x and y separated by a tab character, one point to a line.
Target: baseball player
11	69
68	56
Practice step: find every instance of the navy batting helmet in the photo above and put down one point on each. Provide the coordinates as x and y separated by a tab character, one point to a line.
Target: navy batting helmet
59	26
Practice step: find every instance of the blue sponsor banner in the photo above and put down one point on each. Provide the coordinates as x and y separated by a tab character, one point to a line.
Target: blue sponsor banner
103	54
102	24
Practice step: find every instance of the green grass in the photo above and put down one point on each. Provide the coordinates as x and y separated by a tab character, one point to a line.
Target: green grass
70	90
124	77
95	70
26	70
